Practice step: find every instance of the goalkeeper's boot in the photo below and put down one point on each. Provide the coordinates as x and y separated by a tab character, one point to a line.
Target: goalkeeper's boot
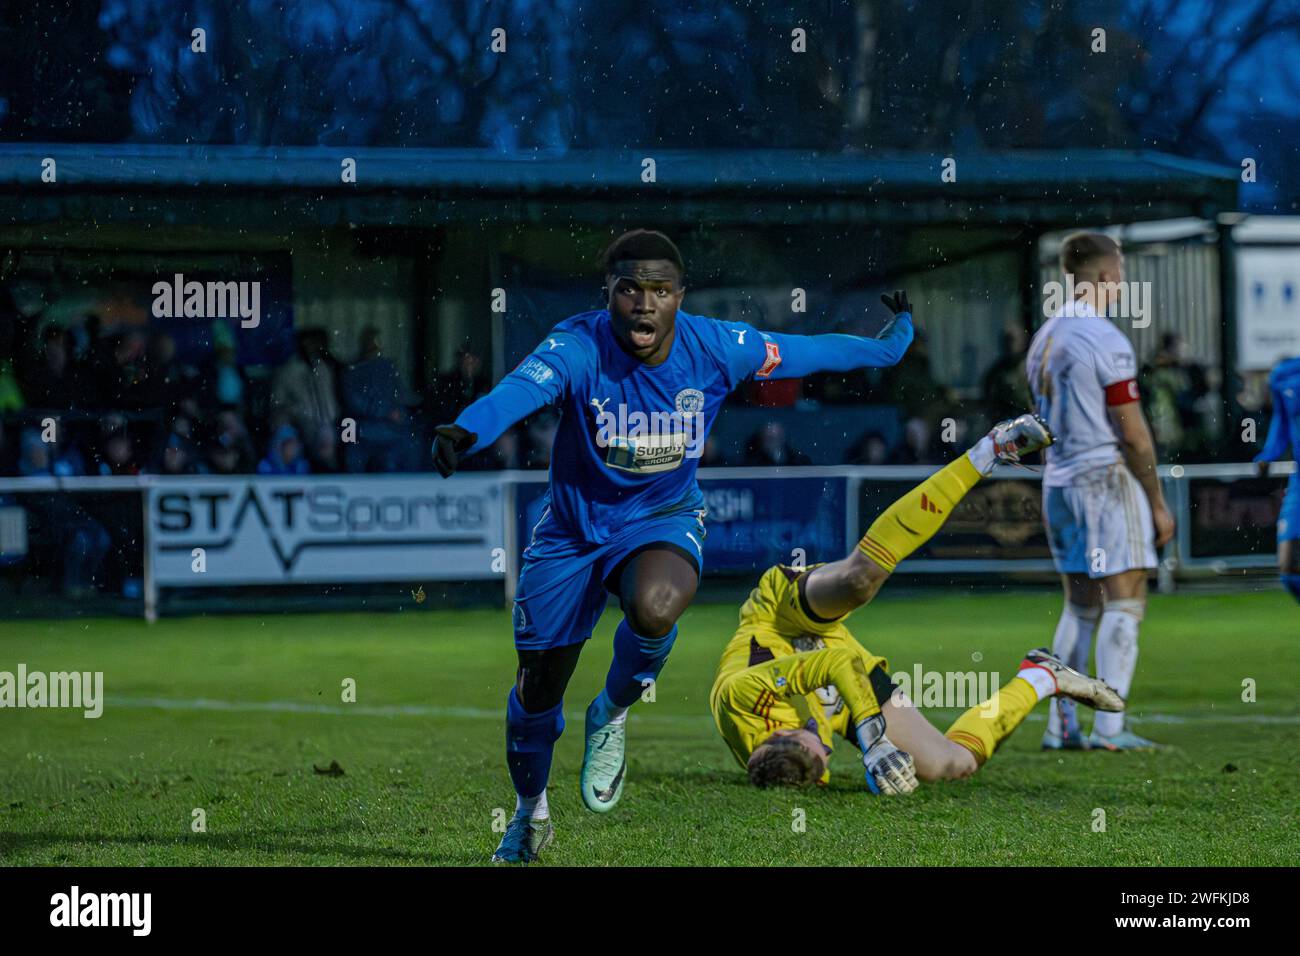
1076	685
524	839
1020	436
604	764
1071	736
1124	740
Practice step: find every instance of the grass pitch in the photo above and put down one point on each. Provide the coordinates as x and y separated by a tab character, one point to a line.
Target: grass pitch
237	715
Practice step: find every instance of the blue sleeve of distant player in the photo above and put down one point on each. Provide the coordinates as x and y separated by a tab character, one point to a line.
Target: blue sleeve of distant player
540	380
801	355
1279	437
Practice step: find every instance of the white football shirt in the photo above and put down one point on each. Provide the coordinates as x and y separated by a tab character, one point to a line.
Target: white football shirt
1076	361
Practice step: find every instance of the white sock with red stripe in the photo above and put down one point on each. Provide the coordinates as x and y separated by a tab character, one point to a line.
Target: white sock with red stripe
1039	678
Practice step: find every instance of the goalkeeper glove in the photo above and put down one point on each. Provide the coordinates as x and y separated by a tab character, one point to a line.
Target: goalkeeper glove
449	443
897	303
889	770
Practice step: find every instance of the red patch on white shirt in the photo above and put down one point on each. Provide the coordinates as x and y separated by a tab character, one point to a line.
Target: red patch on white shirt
1121	393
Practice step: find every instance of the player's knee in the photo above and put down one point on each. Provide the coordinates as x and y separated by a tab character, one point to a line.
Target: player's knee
865	578
536	699
538	691
864	586
1134	607
962	764
954	763
655	610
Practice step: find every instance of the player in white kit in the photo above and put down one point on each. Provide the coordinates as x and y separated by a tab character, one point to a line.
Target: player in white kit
1103	507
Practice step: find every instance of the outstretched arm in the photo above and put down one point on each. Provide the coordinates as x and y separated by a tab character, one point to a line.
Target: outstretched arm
802	355
539	381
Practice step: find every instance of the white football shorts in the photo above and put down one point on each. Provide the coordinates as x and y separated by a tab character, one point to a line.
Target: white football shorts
1101	524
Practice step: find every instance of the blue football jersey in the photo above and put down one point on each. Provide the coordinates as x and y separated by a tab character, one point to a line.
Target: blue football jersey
631	435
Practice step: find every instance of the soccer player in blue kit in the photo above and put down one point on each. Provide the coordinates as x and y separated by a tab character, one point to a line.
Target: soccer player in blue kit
638	385
1284	430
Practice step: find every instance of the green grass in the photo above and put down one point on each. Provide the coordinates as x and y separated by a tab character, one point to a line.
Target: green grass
420	788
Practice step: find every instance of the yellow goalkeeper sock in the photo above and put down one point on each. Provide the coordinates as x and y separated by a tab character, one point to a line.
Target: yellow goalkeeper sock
983	728
916	517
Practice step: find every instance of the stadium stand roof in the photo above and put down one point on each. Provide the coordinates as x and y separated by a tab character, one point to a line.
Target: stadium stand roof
419	186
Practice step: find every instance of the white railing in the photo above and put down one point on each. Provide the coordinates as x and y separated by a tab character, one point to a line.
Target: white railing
369	548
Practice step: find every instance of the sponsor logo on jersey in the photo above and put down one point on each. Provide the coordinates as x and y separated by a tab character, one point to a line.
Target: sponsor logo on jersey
537	370
649	442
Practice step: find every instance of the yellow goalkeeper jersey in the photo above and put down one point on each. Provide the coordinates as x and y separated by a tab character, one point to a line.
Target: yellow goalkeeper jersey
784	667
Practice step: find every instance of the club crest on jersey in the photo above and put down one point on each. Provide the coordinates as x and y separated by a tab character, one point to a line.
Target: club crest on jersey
689	401
649	442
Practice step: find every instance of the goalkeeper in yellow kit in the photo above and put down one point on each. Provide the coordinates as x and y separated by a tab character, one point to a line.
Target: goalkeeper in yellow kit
793	676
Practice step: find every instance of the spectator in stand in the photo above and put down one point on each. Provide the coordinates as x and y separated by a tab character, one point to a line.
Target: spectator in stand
85	342
121	372
768	446
180	456
54	382
168	382
1006	387
76	539
464	384
61	459
305	395
285	455
911	384
373	394
1173	390
225	379
917	444
231	450
116	454
871	449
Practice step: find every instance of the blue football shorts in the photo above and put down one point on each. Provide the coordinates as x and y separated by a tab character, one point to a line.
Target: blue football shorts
565	581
